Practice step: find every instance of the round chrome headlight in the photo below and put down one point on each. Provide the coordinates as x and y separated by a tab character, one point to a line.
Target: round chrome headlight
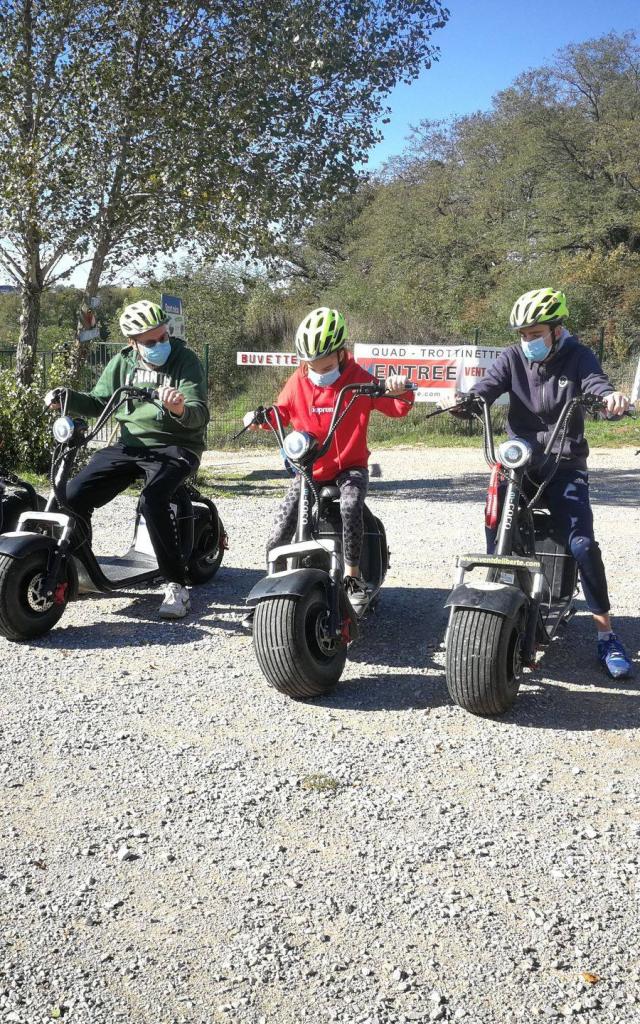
63	429
298	444
514	454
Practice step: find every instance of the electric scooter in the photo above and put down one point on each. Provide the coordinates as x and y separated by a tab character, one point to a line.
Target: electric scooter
48	559
304	621
497	624
16	496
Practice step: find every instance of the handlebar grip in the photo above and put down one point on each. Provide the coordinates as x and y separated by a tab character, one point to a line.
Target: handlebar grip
374	389
151	394
261	415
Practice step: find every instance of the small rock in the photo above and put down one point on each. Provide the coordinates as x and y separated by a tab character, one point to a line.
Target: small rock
124	854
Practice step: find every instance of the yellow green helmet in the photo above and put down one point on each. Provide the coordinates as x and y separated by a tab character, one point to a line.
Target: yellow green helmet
141	316
539	306
321	332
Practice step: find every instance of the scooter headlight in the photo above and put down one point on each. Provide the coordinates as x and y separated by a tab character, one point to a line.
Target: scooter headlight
514	454
298	444
63	429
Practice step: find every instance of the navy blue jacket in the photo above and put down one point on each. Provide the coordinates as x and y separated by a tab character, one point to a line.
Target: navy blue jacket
538	391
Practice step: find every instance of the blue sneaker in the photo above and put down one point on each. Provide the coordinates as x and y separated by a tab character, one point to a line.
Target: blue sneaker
613	657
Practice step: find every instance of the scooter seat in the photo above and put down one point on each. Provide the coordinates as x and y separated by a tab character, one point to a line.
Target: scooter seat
329	492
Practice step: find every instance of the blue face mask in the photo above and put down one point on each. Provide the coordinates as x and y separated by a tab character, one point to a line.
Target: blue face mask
535	350
323	380
156	354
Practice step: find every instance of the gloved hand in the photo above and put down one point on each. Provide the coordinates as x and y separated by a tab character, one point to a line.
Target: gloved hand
396	384
52	399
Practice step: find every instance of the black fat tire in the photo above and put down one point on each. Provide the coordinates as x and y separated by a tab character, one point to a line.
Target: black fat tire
483	660
284	631
208	551
18	620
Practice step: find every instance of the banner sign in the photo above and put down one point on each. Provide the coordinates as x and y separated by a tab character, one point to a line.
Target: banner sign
438	370
266	359
635	393
176	323
171	304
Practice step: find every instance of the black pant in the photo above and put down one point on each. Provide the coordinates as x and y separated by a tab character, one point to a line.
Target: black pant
567	498
112	469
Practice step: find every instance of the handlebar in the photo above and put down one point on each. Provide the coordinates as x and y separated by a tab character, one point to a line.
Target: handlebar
369	389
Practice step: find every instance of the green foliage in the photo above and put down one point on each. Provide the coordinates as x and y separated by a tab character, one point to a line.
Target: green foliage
131	128
541	189
25	426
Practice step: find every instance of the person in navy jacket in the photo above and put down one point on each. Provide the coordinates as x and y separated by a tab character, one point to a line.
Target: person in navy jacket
307	402
540	374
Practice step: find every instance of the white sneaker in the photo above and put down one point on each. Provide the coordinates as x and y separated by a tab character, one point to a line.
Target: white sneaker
176	602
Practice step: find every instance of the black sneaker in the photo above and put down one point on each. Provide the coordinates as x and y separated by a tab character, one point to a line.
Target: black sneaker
357	592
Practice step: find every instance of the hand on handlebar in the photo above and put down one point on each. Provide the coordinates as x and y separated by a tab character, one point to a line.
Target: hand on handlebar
52	399
249	421
615	404
172	400
397	384
461	405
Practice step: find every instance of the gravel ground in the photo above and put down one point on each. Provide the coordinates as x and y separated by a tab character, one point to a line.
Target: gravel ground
182	844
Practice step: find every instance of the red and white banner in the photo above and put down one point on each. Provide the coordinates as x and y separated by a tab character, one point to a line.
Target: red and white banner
438	370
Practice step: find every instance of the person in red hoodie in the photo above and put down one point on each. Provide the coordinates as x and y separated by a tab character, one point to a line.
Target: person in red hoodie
306	403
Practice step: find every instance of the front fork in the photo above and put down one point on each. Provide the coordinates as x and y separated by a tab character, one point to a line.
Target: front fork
340	618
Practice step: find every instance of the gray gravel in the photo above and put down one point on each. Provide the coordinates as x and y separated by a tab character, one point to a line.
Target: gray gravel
182	844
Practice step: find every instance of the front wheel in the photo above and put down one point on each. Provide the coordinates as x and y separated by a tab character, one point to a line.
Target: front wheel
293	648
25	611
484	660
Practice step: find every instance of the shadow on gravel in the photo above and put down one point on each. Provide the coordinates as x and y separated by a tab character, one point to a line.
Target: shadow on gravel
389	691
615	487
113	635
405	632
467	487
619	487
600	703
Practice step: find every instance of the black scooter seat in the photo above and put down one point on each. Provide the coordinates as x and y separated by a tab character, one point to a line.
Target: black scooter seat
328	492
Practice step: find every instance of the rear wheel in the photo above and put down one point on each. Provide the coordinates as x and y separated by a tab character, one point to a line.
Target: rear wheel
293	648
208	551
25	610
484	660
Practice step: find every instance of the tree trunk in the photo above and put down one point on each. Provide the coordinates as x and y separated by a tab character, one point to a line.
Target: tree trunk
80	349
29	323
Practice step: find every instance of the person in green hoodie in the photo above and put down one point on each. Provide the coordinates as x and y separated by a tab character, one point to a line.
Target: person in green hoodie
163	446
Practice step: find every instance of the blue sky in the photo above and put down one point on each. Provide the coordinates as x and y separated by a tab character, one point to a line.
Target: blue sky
485	45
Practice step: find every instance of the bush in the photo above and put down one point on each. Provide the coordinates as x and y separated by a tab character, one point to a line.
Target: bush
25	426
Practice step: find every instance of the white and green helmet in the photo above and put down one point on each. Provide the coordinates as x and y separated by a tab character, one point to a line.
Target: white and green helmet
321	332
141	316
539	306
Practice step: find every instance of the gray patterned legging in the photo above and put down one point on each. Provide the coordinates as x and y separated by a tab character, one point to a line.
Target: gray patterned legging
353	485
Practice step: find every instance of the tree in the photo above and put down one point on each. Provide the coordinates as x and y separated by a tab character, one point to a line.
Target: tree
542	187
133	126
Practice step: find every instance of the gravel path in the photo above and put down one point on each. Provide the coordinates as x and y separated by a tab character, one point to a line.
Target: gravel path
182	844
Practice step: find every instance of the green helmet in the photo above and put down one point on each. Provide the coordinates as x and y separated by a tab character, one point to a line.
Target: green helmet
321	332
539	306
141	316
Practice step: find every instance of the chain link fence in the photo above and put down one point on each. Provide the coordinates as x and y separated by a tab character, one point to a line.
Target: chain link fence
264	383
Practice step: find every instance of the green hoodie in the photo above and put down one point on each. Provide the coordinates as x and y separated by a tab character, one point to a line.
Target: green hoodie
143	425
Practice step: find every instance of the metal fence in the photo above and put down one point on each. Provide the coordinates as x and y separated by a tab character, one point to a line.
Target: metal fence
262	387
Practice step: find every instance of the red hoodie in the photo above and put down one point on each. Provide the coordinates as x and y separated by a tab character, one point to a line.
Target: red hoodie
306	406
